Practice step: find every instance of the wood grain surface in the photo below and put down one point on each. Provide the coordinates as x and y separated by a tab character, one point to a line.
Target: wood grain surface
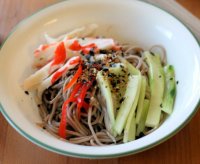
183	148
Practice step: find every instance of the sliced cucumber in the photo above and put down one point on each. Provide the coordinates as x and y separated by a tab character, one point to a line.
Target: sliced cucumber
156	76
130	130
142	120
141	100
117	69
170	89
130	98
129	133
118	79
105	88
131	68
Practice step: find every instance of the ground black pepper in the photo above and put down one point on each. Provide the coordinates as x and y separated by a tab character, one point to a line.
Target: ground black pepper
103	51
152	53
91	52
122	99
26	92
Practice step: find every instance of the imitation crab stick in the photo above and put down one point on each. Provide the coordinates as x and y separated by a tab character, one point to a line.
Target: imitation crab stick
61	55
45	53
71	63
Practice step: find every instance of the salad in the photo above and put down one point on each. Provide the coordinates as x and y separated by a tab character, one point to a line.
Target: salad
93	90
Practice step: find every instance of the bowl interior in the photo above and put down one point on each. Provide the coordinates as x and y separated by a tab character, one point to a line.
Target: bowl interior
127	21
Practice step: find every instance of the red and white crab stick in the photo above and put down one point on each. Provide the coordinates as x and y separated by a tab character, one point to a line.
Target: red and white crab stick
45	53
70	64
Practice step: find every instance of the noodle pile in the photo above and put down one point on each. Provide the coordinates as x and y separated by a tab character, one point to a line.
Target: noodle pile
91	128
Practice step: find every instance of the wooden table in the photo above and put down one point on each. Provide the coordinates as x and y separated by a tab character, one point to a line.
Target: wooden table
183	148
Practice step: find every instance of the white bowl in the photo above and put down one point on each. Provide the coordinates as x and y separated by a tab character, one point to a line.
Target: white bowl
128	21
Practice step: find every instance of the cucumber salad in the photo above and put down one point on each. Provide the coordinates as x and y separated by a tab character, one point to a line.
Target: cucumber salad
93	90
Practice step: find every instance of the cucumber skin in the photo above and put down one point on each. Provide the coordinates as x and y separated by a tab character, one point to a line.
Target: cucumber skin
170	89
130	130
141	99
129	133
157	83
141	123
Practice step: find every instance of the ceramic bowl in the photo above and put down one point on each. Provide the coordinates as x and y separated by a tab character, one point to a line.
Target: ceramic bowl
128	21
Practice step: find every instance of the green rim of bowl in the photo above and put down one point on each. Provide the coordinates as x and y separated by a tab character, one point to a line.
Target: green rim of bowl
53	149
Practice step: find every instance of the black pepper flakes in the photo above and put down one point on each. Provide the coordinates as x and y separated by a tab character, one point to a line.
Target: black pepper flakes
87	57
91	52
84	81
122	99
105	69
152	53
111	65
87	100
38	105
121	66
113	84
26	92
177	82
103	51
123	70
110	75
160	76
